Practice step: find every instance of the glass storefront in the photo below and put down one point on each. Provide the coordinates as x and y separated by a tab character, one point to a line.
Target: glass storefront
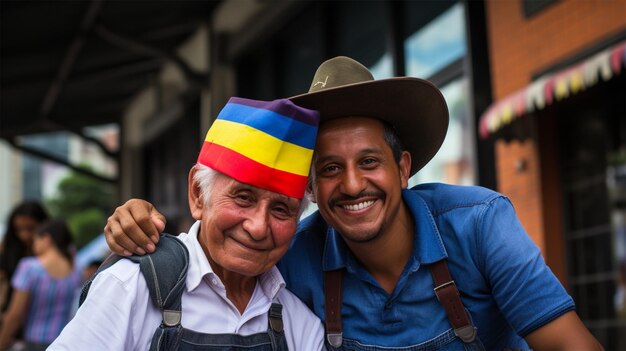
454	163
437	44
433	44
433	37
593	171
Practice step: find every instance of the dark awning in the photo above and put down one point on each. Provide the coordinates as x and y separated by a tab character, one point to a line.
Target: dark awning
553	87
65	65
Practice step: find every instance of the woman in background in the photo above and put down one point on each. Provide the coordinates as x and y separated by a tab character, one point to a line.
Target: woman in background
17	243
44	287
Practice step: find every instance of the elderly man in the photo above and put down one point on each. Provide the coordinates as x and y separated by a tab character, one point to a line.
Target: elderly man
245	193
436	267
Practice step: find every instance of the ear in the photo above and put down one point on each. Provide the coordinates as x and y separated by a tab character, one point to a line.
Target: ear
405	168
196	202
309	193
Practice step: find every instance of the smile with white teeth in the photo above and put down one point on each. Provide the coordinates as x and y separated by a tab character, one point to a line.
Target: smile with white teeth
359	206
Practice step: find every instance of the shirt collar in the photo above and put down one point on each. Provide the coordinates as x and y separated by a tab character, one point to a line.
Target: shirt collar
427	247
271	282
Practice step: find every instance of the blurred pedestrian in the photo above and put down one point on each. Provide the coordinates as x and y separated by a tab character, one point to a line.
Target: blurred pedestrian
17	243
44	287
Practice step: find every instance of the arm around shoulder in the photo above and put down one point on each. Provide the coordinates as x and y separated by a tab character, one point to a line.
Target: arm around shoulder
566	332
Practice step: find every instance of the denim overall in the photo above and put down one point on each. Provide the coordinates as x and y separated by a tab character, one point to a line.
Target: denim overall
462	336
178	338
165	271
431	345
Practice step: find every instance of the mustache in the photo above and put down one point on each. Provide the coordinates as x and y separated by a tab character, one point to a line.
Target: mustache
363	194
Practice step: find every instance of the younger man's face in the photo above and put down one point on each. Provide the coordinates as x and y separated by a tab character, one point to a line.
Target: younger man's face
357	182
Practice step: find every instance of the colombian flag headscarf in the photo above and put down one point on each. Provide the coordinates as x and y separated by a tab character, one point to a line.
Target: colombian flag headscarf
265	144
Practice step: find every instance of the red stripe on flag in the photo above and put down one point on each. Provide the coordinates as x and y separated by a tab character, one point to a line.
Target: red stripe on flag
248	171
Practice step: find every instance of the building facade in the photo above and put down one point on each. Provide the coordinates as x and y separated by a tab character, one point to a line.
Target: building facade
558	122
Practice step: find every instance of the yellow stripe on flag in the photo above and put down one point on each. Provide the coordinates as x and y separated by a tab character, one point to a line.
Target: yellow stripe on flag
261	147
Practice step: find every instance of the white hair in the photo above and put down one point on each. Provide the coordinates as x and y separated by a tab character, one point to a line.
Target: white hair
205	178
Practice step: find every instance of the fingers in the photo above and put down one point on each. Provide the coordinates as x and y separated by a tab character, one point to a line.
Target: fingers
112	233
158	220
131	228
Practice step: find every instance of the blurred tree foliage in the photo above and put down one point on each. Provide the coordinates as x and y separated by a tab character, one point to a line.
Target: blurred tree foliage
85	203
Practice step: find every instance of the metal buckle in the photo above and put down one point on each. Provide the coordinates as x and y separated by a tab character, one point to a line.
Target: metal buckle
335	339
276	324
466	333
444	285
276	317
436	289
171	318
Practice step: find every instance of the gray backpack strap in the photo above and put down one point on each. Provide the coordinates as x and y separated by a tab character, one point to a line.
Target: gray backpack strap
165	271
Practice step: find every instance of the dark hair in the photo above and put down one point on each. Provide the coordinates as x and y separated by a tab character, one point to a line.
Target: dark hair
392	139
13	248
60	235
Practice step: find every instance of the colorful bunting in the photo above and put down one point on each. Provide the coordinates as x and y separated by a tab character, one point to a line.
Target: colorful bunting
554	87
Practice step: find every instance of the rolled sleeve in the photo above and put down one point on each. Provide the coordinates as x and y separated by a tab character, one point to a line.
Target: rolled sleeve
525	289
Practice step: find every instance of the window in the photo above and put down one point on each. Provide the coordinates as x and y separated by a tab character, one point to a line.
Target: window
434	48
592	137
437	44
362	28
454	163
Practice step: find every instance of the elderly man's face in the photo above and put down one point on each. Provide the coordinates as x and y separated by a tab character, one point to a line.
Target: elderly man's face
244	229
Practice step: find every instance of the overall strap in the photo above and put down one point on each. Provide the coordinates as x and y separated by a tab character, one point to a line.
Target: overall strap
276	327
449	296
165	271
332	306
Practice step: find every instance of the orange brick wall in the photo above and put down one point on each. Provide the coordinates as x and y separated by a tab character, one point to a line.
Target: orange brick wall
521	47
521	185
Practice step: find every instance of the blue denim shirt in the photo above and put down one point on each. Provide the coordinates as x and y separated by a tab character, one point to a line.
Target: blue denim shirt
500	273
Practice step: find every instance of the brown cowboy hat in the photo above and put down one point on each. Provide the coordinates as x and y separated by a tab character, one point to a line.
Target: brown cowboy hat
343	87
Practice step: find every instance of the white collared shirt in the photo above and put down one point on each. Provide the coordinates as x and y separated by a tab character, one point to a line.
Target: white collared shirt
119	315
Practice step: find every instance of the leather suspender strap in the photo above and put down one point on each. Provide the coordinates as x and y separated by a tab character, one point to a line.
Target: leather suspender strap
449	296
332	306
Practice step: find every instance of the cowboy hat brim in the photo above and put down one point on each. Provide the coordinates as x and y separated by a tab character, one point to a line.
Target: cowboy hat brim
415	107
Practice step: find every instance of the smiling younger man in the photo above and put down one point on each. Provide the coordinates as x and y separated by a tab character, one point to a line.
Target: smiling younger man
245	193
375	262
